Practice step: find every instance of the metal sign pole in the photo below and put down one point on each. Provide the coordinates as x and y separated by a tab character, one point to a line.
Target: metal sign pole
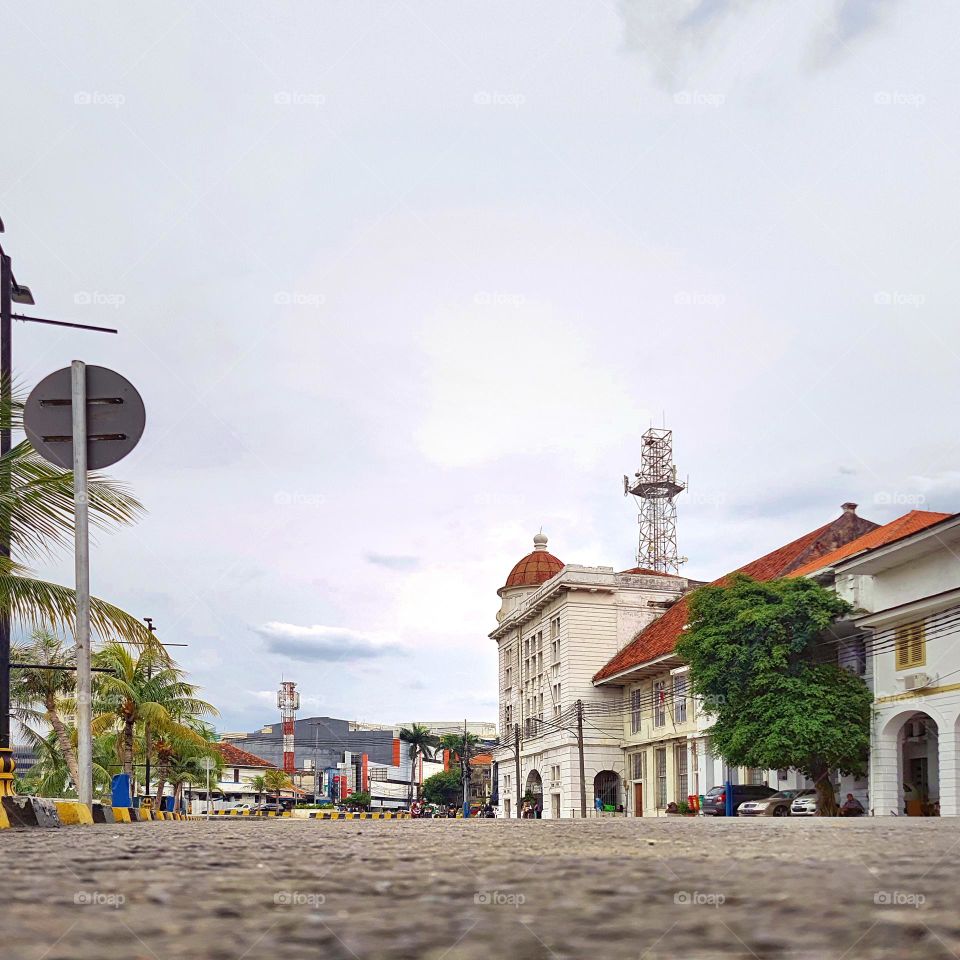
82	568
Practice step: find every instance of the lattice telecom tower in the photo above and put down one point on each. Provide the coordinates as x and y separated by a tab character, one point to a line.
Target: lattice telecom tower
654	487
288	700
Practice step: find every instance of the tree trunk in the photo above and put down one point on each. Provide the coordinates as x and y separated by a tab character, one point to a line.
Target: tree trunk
128	750
826	799
63	741
162	771
177	797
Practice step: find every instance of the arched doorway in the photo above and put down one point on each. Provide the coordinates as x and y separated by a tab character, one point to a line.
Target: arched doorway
606	789
534	790
915	737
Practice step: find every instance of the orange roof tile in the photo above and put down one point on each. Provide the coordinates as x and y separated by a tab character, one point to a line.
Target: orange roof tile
912	522
234	756
660	637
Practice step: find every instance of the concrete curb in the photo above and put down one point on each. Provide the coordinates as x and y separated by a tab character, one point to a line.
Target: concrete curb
73	812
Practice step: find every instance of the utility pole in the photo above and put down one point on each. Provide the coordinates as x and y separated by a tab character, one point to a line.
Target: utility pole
516	760
148	744
82	571
583	776
465	764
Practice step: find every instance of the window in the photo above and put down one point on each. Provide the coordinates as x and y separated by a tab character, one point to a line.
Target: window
236	774
508	677
754	776
506	782
638	765
556	700
660	762
636	710
555	628
680	699
680	762
508	715
911	646
555	773
555	650
659	704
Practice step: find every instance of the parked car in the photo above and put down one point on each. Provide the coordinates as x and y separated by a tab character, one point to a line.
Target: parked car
805	806
269	806
715	801
776	805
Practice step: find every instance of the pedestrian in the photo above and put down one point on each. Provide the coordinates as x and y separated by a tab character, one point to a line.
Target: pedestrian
852	807
598	805
538	810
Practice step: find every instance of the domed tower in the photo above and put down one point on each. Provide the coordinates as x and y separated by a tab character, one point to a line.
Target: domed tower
527	574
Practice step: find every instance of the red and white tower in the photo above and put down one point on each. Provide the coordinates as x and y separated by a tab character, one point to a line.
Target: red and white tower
288	700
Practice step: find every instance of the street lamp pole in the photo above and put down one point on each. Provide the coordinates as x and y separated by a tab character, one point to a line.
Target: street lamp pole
146	727
11	292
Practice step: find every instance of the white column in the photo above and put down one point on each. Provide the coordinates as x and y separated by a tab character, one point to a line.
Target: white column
947	743
886	781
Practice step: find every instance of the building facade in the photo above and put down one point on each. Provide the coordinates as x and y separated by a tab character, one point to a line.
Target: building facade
904	582
556	623
664	732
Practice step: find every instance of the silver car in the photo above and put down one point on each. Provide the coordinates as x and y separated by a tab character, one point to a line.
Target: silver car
805	806
776	805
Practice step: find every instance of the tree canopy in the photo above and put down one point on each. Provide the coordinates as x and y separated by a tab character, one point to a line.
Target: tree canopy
779	696
444	787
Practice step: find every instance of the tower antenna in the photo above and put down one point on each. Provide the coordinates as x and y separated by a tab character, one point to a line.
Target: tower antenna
288	700
655	487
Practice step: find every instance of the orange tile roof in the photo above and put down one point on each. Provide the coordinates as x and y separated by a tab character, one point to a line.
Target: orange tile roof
535	568
235	757
481	759
646	572
660	637
912	522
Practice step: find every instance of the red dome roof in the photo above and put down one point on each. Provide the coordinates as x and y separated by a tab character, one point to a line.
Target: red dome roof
535	568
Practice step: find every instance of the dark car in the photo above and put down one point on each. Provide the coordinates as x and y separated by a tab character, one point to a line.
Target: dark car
715	802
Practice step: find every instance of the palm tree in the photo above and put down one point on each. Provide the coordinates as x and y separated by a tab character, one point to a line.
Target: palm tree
258	785
36	512
276	780
145	686
41	696
421	743
49	775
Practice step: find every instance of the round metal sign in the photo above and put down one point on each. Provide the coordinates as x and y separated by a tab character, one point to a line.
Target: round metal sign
115	418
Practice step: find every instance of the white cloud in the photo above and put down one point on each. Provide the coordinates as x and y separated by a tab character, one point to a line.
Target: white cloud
321	643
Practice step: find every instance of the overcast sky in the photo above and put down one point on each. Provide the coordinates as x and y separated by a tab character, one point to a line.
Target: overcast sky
401	283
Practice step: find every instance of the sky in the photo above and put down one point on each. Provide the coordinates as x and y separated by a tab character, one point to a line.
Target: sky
402	283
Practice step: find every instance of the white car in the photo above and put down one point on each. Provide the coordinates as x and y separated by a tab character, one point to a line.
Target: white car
776	805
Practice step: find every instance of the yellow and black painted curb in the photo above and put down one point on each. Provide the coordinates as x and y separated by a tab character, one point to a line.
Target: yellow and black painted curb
338	815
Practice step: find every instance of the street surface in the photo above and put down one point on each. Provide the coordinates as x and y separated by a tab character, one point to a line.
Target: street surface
449	890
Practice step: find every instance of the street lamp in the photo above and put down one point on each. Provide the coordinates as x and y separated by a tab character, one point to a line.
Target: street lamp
11	292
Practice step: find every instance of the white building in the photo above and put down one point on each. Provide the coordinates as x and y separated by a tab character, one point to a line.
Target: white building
663	732
904	579
557	625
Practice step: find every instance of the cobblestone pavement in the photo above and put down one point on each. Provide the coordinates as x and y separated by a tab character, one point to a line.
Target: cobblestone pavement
449	890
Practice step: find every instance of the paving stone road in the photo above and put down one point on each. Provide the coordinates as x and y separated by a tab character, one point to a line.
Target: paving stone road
449	890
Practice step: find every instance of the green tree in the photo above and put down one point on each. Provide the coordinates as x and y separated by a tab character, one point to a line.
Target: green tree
779	697
258	784
277	780
50	777
145	686
443	788
420	743
359	799
41	698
